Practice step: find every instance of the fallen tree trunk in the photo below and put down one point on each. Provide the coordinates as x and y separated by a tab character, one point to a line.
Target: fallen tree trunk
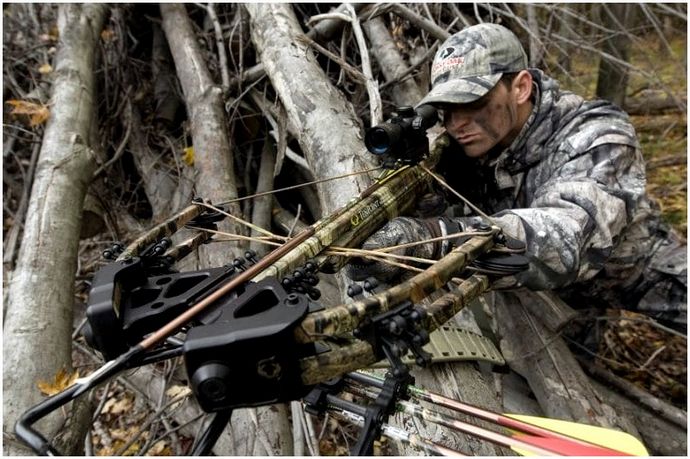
654	103
311	102
541	357
641	397
213	162
216	182
660	436
321	32
38	324
383	48
163	194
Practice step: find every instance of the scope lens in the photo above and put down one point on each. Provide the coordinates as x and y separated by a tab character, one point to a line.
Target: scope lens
377	141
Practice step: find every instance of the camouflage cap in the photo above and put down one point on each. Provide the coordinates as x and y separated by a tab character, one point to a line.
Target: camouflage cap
471	62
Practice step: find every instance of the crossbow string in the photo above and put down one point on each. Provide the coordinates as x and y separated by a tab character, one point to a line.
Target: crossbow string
265	315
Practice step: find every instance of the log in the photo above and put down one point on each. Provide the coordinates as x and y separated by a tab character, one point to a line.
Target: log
311	102
321	32
164	195
651	102
661	437
215	180
541	357
667	161
287	222
392	65
38	324
167	100
459	381
641	397
424	24
261	210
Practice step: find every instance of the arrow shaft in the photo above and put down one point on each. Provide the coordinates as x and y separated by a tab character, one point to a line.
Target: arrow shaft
461	426
398	434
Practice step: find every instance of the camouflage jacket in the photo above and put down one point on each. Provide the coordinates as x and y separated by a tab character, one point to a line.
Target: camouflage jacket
572	186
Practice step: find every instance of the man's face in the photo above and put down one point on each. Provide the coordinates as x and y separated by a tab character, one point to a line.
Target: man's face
489	121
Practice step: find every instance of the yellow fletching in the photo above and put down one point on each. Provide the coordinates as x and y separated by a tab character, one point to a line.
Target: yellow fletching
607	438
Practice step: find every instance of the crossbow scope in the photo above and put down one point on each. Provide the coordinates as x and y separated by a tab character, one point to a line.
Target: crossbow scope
402	139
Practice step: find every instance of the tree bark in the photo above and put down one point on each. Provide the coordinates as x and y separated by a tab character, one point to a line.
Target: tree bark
612	79
661	437
164	195
215	180
311	102
541	357
459	381
41	295
392	65
261	211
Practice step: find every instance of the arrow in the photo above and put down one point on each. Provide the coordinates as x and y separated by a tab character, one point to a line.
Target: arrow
569	438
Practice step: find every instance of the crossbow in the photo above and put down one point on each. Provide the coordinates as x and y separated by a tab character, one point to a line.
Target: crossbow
253	332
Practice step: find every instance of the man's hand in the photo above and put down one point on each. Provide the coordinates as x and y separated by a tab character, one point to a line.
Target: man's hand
399	231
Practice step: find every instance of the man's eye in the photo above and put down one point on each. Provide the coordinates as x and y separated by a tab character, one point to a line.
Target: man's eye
477	104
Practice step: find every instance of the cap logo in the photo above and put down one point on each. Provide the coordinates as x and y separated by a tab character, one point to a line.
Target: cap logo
446	52
446	64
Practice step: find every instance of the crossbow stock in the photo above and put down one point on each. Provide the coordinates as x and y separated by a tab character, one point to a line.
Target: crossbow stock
253	332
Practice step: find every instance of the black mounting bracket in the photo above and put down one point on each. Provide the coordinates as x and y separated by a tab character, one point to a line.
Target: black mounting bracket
393	333
125	303
394	388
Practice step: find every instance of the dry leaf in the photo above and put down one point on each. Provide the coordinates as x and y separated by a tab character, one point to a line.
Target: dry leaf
160	448
177	391
117	446
106	451
115	406
52	35
45	69
62	381
107	34
38	113
188	156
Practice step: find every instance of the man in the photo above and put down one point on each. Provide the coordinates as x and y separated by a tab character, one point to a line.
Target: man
562	174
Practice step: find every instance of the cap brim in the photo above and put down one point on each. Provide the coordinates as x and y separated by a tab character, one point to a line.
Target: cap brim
461	91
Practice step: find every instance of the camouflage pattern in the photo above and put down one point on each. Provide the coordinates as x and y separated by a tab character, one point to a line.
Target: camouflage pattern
572	185
352	224
395	232
339	360
470	63
344	318
449	304
167	228
186	247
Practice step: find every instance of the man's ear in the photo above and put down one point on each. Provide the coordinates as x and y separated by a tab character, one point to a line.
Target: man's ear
522	84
